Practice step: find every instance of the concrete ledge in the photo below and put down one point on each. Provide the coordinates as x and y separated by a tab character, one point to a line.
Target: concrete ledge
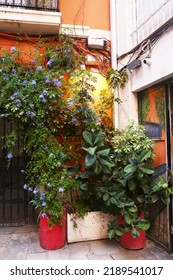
93	226
43	22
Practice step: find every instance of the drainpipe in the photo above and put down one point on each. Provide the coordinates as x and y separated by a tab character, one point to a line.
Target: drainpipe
114	57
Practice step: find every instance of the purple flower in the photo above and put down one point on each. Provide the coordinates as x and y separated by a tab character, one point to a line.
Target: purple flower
74	119
6	78
42	98
34	82
39	68
9	155
58	164
67	51
44	203
30	189
44	215
47	81
13	49
50	155
25	187
62	155
49	63
17	101
35	191
24	82
45	148
49	185
32	60
61	190
42	196
85	121
45	91
13	71
57	83
29	113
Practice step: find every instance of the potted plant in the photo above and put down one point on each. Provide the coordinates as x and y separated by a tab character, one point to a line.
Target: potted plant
129	189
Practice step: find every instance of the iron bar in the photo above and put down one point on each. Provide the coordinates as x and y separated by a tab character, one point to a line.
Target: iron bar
45	5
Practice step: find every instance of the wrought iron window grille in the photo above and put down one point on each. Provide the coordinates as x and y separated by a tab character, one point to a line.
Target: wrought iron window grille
44	5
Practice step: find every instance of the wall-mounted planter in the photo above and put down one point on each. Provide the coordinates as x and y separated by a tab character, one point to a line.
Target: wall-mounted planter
92	227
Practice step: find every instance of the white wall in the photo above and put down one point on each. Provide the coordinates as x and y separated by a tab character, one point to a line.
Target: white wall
161	66
160	69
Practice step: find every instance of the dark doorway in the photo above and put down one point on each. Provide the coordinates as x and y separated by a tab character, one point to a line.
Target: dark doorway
15	206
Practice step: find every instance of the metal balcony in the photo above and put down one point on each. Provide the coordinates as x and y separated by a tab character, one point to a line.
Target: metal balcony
44	5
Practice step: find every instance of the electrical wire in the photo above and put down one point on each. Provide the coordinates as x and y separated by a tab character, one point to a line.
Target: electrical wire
74	21
151	40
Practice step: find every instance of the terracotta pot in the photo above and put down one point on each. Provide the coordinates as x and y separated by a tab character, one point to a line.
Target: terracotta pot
55	237
129	242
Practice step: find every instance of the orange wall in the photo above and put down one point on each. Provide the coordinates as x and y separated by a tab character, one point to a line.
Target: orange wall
92	13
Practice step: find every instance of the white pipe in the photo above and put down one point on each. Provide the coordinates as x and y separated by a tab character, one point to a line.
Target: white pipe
114	56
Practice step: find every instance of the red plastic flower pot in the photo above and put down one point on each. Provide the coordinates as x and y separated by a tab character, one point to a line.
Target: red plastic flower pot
129	242
55	237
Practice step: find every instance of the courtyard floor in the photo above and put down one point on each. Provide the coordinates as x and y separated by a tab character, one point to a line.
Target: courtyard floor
22	243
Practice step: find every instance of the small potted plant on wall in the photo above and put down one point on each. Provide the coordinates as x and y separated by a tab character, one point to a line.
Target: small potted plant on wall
129	189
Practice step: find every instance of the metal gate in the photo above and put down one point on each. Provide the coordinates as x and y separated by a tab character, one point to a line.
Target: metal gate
15	206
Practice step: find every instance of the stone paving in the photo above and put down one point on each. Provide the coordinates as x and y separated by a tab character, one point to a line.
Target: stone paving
22	243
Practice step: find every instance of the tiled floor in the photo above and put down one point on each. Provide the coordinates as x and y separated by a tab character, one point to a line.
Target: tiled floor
22	243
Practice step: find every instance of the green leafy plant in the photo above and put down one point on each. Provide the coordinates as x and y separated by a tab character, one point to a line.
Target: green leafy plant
47	109
130	189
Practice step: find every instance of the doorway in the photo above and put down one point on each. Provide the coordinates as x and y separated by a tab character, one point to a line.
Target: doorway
156	114
15	206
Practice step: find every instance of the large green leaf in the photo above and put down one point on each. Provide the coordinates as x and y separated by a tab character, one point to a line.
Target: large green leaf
90	160
97	168
106	161
133	209
103	151
88	137
140	198
132	185
145	155
90	150
84	187
119	231
106	169
143	224
135	233
130	168
128	217
147	168
111	234
105	197
113	201
155	197
97	137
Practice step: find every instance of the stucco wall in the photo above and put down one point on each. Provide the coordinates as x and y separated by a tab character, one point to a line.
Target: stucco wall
92	13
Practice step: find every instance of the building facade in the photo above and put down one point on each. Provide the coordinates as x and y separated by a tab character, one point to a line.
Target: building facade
143	46
85	20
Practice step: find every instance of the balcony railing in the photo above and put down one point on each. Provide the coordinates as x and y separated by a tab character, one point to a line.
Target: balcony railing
45	5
